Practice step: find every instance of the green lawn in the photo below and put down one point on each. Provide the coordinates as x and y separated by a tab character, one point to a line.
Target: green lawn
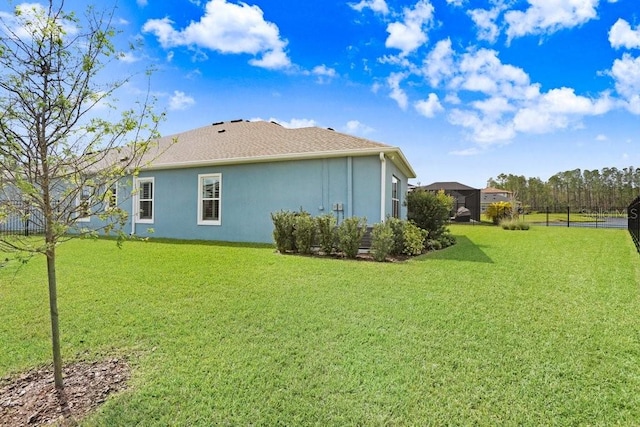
505	328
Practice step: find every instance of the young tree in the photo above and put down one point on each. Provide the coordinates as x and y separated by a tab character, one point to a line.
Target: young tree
59	159
429	211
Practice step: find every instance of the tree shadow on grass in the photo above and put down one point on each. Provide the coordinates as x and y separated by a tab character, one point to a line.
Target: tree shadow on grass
463	250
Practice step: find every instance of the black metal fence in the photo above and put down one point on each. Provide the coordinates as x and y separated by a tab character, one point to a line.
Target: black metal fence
20	219
579	217
570	217
633	221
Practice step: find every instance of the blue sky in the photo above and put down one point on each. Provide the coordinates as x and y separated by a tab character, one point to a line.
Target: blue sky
467	89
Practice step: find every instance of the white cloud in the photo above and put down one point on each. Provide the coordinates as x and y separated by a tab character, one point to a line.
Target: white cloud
142	3
485	20
379	6
357	128
559	109
621	35
438	65
626	73
128	58
430	106
483	131
324	73
482	71
494	107
456	2
180	101
35	15
549	16
409	35
505	101
230	29
397	93
602	137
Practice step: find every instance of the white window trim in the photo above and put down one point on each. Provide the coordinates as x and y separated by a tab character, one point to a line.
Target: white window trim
153	200
107	207
80	217
395	186
201	221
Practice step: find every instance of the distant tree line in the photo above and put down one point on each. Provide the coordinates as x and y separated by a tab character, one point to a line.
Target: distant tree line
605	189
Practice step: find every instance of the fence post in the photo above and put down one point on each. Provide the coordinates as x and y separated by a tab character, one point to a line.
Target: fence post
547	211
568	215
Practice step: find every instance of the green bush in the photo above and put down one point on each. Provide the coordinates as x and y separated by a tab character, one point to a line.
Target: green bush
382	241
397	227
283	223
414	237
326	227
304	232
429	211
350	233
433	245
447	239
514	224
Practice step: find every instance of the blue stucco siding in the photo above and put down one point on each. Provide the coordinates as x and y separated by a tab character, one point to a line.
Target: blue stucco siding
251	192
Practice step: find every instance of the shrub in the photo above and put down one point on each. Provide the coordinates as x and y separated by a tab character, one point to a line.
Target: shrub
397	227
326	227
304	232
283	222
414	238
429	211
381	241
350	233
498	211
514	224
433	245
447	239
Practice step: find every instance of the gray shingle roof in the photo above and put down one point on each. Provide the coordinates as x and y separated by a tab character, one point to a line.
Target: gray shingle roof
450	185
249	142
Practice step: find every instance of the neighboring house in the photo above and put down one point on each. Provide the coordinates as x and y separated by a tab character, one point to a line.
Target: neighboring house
463	195
223	181
492	195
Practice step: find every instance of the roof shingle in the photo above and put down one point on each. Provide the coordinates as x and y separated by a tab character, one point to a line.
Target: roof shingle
246	142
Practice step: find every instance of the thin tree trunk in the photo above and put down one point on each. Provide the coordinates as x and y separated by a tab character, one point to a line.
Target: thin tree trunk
53	309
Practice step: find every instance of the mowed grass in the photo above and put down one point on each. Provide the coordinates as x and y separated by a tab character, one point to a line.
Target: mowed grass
537	327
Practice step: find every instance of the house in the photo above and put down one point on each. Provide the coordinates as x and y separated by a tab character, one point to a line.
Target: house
463	195
223	181
492	195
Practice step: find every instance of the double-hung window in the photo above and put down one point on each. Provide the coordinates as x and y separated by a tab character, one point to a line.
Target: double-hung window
145	198
209	197
395	197
111	197
84	203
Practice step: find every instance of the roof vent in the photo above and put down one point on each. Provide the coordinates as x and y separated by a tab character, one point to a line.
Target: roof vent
217	123
276	123
236	121
330	128
221	131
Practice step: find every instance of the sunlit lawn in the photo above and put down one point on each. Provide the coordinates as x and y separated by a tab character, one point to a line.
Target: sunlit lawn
535	327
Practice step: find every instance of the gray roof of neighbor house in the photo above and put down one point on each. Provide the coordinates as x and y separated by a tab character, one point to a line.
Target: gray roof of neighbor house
447	186
240	141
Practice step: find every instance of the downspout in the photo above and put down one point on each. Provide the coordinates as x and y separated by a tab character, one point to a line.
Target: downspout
133	208
383	182
349	188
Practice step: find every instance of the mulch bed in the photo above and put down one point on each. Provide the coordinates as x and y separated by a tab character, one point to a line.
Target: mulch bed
31	399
